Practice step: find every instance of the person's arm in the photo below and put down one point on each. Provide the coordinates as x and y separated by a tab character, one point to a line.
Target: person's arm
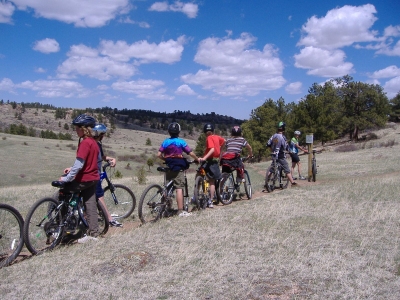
112	160
78	165
250	150
160	155
193	155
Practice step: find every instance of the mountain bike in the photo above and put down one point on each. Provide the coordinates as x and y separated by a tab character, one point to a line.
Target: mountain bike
119	199
313	167
275	176
156	201
49	222
202	194
229	185
11	236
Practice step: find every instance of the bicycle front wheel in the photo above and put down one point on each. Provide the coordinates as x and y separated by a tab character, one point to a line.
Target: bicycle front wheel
126	201
247	185
102	219
43	228
200	196
284	179
151	204
11	234
227	188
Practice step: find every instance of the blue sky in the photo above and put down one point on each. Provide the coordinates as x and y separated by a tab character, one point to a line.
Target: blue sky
223	56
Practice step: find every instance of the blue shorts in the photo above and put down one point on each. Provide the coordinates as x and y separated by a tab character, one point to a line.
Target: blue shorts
99	190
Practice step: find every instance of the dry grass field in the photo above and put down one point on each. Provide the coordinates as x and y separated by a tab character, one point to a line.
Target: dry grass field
337	238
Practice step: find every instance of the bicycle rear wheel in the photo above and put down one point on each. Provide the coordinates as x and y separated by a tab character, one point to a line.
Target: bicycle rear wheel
247	185
226	188
126	201
270	179
11	234
43	228
200	196
314	171
151	204
284	179
102	219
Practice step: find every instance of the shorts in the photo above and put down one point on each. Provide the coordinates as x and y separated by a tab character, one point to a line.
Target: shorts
177	177
284	164
99	190
212	169
295	157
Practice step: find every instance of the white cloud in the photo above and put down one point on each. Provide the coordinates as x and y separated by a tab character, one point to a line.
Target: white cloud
88	13
185	90
387	50
47	46
40	70
6	11
234	68
325	63
6	84
189	9
55	88
294	88
146	89
392	31
392	87
340	27
128	20
388	72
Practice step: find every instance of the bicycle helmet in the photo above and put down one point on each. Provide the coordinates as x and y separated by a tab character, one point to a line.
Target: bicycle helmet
208	127
281	125
297	132
84	121
99	129
174	128
236	131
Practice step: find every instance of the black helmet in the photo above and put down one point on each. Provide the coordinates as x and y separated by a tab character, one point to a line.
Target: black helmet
236	131
174	128
208	127
281	125
84	121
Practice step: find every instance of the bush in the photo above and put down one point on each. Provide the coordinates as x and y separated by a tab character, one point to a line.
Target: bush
141	175
118	174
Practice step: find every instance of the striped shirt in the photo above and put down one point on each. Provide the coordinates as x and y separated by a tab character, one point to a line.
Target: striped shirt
235	144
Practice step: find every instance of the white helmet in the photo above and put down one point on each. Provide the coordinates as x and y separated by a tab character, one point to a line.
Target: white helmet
297	132
99	129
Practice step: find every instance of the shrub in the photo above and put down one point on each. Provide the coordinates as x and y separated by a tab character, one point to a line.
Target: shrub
141	175
118	174
4	138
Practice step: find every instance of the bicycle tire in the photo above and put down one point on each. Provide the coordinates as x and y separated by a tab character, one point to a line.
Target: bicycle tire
270	180
247	185
40	236
227	188
284	179
104	225
11	234
200	197
126	201
314	171
150	204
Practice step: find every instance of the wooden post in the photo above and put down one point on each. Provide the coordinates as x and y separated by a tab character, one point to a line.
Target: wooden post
309	141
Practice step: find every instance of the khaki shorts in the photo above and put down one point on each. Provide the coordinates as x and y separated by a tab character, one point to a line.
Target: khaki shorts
177	177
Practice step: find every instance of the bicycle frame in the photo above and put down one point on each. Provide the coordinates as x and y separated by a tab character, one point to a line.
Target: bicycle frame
104	176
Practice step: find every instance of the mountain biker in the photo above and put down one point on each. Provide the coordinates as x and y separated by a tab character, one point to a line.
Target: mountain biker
231	157
84	173
211	156
294	154
99	132
279	145
171	151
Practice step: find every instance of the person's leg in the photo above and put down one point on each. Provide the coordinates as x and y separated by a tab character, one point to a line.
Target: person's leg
179	199
286	169
293	167
89	200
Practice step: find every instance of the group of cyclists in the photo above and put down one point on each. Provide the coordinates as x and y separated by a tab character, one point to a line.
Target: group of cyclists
84	173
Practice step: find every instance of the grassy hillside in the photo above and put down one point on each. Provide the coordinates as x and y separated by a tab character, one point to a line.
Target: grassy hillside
337	238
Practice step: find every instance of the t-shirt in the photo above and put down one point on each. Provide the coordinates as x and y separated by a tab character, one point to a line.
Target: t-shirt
100	157
174	147
278	145
88	150
292	147
214	141
235	144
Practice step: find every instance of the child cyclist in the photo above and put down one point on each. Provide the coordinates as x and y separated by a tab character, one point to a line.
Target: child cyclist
99	132
211	156
279	145
294	154
84	173
231	157
171	151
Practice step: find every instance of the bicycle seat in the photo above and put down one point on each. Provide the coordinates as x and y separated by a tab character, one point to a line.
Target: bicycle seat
58	184
162	169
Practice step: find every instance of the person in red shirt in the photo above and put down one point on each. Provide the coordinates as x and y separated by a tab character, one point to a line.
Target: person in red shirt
84	174
211	156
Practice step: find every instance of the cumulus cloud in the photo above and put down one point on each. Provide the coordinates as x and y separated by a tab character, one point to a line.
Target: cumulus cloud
55	88
6	84
88	13
128	20
388	50
189	9
388	72
340	27
185	90
46	46
235	68
6	11
392	87
145	89
294	88
40	70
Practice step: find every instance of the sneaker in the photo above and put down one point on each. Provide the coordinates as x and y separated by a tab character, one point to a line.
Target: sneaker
115	223
184	214
294	183
294	178
302	178
210	205
86	238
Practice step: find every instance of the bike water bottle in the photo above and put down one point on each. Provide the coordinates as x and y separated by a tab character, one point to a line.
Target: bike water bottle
74	201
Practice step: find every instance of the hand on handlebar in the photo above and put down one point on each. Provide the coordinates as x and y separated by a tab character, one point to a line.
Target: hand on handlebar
66	171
